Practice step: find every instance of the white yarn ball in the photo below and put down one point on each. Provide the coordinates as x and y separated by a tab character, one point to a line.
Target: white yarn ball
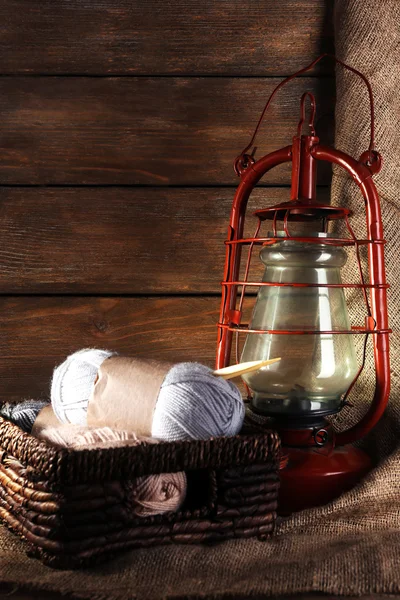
193	404
73	382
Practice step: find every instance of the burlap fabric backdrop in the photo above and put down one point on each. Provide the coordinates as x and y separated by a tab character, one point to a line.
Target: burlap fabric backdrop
353	545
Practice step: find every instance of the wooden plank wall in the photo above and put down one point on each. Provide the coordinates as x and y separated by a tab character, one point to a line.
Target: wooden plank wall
119	124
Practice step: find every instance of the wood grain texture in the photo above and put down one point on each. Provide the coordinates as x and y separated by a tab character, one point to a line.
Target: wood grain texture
157	37
118	240
14	593
18	593
38	333
152	131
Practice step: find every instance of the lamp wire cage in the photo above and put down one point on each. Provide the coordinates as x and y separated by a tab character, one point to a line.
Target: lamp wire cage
305	153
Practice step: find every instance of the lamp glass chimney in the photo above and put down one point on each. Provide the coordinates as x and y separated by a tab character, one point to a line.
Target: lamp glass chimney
315	369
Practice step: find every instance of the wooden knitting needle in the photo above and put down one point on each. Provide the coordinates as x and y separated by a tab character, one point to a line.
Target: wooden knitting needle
242	368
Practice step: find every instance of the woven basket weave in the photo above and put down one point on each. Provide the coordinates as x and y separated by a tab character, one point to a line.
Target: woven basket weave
73	507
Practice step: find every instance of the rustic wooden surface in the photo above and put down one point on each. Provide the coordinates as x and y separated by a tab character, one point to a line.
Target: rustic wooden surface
159	240
37	333
157	37
151	131
120	123
149	106
21	595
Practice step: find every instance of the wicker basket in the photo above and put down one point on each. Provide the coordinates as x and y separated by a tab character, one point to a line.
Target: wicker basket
72	507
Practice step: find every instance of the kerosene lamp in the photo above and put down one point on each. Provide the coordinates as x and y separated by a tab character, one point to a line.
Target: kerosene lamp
300	313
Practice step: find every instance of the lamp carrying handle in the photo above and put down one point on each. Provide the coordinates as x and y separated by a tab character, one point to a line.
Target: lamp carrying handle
244	157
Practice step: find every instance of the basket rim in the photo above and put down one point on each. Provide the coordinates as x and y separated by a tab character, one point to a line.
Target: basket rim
73	467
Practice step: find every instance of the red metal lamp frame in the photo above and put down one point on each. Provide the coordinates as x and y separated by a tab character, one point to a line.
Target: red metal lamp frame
305	153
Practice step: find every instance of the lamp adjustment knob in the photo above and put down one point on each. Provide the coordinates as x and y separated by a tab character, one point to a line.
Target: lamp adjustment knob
321	436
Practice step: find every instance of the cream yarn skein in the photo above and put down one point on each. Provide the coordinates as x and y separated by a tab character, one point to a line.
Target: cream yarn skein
192	402
147	495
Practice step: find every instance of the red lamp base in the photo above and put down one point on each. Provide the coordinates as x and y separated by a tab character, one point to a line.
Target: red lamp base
312	475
